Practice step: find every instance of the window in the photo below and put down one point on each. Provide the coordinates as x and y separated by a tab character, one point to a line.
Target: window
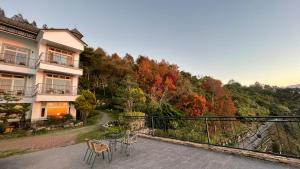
58	84
59	56
12	83
12	54
57	108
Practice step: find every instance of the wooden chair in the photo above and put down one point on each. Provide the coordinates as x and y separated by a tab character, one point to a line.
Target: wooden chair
100	148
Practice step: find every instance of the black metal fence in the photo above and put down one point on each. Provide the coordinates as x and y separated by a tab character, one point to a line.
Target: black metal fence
275	135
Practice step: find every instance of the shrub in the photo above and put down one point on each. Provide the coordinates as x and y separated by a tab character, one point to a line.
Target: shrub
53	120
67	117
139	114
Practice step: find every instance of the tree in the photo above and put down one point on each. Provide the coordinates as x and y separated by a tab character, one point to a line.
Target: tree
85	103
220	101
193	105
12	110
129	97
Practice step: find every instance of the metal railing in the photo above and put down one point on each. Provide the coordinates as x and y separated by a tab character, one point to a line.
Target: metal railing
52	89
17	60
61	61
16	90
274	135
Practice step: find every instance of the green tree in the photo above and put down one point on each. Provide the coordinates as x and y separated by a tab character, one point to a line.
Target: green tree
10	109
129	97
85	103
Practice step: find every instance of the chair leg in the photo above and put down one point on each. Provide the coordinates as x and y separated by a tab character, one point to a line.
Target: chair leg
92	154
87	150
93	161
89	156
109	155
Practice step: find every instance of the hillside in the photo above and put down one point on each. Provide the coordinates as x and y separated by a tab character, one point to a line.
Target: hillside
294	86
159	88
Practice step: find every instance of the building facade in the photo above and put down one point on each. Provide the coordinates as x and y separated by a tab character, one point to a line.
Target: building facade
40	66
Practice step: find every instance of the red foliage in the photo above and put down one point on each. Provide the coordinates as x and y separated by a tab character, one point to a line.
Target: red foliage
220	102
156	78
194	105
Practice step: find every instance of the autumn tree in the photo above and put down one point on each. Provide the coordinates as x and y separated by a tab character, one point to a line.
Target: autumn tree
157	79
220	102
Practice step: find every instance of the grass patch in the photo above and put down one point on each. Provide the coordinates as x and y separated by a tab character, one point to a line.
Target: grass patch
94	117
4	154
113	114
94	134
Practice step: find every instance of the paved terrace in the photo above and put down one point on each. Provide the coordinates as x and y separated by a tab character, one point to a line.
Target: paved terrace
148	154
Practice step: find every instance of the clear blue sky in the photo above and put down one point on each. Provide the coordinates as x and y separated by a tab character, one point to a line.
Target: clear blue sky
244	40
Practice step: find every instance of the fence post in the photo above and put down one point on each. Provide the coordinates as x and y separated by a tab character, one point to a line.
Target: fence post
152	125
207	131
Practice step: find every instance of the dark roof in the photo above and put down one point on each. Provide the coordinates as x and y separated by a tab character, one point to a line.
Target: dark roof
76	33
19	28
28	30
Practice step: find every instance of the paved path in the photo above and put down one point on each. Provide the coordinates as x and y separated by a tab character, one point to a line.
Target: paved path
253	141
148	154
41	142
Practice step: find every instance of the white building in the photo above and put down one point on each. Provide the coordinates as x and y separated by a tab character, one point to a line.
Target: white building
41	66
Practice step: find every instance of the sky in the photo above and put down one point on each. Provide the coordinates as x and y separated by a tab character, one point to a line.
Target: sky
244	40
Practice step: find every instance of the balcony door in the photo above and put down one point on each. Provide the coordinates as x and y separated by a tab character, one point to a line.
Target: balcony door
59	56
58	84
14	84
15	55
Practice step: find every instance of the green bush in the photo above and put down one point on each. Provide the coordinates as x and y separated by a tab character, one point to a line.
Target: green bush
67	117
53	120
139	114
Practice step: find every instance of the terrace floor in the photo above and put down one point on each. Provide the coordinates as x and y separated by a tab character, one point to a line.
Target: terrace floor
148	154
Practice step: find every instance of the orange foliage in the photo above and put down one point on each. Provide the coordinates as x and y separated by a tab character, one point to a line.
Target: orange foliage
157	78
194	105
220	102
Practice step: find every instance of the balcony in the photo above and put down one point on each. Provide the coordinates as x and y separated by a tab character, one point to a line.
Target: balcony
59	64
17	64
52	92
21	93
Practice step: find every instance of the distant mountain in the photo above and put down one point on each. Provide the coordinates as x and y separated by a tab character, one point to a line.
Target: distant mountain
294	86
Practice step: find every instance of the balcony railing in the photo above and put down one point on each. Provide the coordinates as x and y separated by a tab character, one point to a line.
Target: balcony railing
60	61
273	135
16	90
17	60
52	89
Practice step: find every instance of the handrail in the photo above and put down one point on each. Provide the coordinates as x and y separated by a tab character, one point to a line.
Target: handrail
43	88
17	60
16	90
265	134
63	62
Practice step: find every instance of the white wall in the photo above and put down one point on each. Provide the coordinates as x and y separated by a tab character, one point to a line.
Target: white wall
36	111
62	37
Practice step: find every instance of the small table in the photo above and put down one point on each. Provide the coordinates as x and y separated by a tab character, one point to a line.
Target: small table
113	138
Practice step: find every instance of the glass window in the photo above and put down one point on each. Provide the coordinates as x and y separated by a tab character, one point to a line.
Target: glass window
15	55
10	82
57	108
59	56
58	84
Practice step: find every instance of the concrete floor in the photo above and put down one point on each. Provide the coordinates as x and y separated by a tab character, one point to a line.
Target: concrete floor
148	154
